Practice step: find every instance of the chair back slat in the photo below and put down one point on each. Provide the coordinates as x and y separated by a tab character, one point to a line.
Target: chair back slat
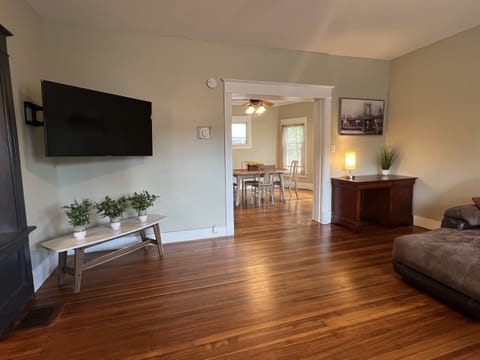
293	170
267	172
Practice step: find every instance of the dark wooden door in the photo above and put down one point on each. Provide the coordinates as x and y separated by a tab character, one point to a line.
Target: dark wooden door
16	282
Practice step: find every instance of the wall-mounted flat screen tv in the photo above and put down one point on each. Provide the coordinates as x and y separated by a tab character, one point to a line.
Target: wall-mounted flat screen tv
82	122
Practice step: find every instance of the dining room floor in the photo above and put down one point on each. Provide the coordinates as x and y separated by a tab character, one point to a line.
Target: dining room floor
249	201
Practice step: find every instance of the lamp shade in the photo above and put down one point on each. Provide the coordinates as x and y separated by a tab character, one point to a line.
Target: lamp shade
350	160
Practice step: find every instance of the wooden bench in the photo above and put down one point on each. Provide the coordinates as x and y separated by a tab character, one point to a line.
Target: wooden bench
98	235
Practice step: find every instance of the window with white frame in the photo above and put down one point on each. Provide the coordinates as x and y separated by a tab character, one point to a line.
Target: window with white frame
241	132
294	142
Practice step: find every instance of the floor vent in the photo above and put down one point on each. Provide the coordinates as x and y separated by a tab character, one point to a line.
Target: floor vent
38	316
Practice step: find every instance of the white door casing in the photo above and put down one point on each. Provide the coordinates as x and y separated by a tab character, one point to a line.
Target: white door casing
322	115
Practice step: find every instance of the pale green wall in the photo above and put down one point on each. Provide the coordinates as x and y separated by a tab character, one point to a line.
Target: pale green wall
304	109
187	173
434	121
264	136
39	173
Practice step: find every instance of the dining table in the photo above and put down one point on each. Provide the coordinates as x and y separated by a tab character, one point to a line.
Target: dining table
241	174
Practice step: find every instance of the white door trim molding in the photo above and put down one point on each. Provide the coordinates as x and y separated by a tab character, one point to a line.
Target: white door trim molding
322	97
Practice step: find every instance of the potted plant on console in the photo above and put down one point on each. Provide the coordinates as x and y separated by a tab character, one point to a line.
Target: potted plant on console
141	202
387	157
113	209
79	216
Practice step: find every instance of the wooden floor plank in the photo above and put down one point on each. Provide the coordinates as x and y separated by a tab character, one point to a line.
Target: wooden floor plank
283	287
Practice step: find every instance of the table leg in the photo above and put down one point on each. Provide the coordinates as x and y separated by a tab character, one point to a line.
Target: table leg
282	188
78	270
239	190
158	239
62	261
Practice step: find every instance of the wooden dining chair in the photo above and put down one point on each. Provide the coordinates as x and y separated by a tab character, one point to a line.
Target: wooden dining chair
292	179
247	182
264	187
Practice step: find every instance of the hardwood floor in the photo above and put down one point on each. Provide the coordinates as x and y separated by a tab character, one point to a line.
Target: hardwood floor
283	288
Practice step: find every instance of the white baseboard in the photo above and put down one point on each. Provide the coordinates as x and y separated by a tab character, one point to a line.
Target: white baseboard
167	237
426	223
326	218
305	186
44	270
48	266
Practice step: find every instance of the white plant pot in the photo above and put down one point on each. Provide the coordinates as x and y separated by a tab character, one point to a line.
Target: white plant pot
115	222
385	172
142	215
80	231
80	234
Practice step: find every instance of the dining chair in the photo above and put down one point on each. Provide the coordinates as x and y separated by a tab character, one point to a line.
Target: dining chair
291	180
247	182
264	187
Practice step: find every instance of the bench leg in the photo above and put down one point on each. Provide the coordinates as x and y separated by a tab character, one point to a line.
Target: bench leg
143	237
78	269
62	261
158	239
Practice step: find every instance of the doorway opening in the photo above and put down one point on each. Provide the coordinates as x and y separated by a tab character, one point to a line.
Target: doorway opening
321	96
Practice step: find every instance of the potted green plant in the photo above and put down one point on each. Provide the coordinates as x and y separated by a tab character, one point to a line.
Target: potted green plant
387	157
141	202
79	216
113	209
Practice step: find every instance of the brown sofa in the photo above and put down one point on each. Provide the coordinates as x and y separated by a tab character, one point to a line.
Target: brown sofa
445	263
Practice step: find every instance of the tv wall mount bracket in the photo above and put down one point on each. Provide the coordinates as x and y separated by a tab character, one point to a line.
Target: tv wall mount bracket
30	112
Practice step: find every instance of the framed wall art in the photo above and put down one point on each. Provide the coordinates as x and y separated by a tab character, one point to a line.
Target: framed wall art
361	116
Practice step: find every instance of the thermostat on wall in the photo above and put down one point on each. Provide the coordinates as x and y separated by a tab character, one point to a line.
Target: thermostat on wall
212	83
204	132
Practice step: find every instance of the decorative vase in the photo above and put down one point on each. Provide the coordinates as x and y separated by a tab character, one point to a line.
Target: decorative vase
79	231
142	215
115	223
385	172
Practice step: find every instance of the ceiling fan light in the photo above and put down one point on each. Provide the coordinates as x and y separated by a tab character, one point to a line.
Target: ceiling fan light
250	110
261	109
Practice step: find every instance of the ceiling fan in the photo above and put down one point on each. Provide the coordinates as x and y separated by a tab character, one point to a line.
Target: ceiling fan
257	106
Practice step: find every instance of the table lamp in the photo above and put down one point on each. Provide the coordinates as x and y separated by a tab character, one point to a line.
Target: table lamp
350	163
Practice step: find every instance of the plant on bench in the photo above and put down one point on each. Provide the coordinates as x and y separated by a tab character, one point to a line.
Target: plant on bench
113	209
79	216
141	202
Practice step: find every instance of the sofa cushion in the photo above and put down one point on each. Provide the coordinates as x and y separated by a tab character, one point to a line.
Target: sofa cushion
449	256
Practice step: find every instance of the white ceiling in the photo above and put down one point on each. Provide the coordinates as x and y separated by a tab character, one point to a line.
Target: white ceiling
381	29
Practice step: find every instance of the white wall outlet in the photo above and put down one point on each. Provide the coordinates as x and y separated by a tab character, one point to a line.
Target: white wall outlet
333	148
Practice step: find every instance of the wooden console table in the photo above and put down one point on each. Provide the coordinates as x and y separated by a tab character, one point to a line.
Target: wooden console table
382	199
97	235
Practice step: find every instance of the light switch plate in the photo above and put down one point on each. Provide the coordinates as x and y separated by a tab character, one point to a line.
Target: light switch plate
204	132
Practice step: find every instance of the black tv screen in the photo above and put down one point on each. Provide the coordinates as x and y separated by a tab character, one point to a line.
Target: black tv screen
82	122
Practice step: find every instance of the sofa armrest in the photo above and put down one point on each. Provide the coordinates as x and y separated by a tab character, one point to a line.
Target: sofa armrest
462	217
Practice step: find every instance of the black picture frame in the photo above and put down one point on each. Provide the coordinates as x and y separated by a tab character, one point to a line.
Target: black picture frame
361	116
